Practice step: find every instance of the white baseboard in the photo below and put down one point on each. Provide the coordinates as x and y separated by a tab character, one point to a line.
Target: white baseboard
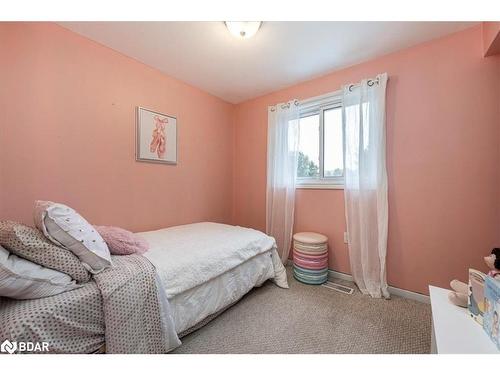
409	294
339	275
392	289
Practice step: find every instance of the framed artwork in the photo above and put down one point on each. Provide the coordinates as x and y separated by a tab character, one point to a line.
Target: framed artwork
156	137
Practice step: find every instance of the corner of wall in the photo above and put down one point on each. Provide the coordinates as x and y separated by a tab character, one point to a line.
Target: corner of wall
233	161
490	32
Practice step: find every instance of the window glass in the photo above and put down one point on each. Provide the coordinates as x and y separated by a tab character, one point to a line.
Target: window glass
333	143
309	141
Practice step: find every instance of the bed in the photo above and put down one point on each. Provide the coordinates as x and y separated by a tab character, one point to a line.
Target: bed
202	268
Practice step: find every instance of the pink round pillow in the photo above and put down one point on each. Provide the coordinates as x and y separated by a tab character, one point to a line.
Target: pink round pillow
121	241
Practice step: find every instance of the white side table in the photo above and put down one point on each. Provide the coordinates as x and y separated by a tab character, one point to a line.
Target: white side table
453	330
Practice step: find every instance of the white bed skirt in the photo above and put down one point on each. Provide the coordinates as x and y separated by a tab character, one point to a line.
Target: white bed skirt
194	305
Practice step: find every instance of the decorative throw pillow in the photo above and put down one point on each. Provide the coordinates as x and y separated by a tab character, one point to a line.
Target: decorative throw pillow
22	279
65	227
122	242
29	243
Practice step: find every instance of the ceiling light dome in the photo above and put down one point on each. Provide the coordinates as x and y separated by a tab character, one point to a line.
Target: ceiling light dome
243	29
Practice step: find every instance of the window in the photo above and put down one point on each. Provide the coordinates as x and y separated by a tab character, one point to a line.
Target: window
321	144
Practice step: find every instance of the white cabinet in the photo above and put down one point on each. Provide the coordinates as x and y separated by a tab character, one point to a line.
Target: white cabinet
453	330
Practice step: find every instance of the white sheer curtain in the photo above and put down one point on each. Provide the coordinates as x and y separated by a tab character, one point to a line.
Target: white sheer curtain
366	184
282	153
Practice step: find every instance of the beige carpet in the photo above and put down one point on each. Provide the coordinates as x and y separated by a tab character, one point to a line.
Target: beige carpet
314	319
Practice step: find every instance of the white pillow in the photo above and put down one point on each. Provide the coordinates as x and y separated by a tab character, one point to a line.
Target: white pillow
65	227
22	279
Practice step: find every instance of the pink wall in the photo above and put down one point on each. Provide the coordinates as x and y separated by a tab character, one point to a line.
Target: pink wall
491	38
67	133
67	125
443	135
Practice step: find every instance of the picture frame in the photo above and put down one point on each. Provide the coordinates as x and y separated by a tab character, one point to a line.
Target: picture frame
156	137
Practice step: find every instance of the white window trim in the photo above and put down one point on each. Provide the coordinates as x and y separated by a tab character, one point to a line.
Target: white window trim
319	186
317	105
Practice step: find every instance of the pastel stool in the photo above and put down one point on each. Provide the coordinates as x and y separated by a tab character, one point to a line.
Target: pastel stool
309	276
310	258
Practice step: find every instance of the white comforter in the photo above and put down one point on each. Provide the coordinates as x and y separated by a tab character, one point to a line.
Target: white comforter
186	256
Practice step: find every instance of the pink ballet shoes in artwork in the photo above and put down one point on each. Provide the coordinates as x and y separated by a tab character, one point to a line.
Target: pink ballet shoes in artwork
158	143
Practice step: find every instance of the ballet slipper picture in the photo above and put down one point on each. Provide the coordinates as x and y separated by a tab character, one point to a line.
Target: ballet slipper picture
156	137
158	142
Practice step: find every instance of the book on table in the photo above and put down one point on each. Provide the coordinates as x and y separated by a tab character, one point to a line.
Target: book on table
491	320
475	302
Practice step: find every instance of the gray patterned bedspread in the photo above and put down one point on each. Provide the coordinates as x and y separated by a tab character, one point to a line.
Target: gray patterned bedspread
124	307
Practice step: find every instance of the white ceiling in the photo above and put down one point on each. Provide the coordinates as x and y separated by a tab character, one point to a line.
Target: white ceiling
281	54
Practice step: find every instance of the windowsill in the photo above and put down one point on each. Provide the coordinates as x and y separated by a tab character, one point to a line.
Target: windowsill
320	186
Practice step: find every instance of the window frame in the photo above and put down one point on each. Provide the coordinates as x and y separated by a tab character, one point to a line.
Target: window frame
318	106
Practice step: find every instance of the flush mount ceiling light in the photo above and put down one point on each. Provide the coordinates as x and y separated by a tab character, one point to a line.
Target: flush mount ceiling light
243	29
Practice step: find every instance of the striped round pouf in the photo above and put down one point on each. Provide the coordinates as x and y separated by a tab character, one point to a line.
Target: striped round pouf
310	257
